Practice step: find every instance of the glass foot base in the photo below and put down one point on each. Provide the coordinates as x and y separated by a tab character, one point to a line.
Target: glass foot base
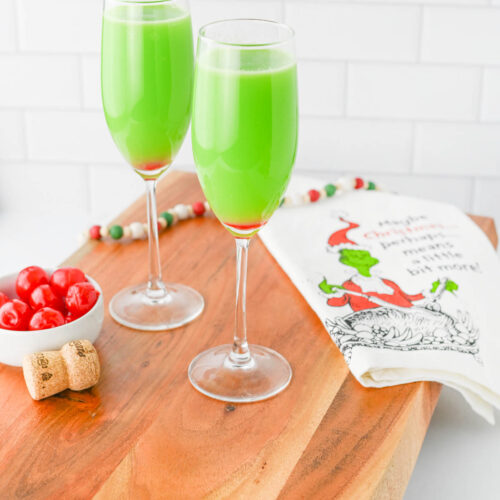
212	373
133	308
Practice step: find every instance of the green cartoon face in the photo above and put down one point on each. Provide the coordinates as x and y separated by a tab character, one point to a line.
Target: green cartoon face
359	259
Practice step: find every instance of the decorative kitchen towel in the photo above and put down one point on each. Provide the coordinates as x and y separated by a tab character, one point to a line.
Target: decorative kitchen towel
408	289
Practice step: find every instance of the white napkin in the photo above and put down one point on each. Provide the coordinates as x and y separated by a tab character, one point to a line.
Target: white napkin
408	289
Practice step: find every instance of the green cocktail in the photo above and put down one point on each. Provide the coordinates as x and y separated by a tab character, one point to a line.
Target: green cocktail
147	77
244	132
244	135
147	84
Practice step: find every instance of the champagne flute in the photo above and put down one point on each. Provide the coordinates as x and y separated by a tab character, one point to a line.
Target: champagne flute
147	79
244	135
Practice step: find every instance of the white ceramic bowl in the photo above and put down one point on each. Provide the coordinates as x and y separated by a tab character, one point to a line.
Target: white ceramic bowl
14	345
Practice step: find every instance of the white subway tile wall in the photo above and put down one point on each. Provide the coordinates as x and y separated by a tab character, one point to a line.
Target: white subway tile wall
457	149
49	189
207	11
413	92
56	26
486	197
7	25
12	135
112	185
405	91
327	79
462	35
354	145
39	81
91	81
490	110
72	136
354	32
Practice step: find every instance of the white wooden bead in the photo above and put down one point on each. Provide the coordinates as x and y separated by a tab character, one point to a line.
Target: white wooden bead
296	199
83	237
145	227
190	211
346	183
137	230
322	193
163	222
126	232
104	231
207	206
181	211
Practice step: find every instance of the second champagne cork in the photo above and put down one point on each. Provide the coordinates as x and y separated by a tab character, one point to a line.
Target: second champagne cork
76	366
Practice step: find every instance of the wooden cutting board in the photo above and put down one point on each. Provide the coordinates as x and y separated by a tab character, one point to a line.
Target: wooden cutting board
144	432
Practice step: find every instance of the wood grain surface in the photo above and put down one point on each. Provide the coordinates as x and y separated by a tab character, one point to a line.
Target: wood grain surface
144	432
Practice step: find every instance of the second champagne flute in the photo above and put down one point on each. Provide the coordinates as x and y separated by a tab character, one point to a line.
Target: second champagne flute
147	80
244	142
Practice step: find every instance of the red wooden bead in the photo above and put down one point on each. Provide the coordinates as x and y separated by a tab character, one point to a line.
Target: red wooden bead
160	228
95	232
313	195
198	208
359	183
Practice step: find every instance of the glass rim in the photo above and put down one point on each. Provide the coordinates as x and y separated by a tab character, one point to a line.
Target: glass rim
288	29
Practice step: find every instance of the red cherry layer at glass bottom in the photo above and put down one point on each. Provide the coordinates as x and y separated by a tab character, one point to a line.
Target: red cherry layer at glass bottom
243	230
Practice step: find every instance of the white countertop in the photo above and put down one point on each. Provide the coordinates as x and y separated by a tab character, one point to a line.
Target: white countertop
460	457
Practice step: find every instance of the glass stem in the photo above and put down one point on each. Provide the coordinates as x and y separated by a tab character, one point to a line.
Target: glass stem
240	355
156	287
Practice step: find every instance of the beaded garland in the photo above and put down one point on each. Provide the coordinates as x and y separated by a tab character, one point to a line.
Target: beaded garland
138	230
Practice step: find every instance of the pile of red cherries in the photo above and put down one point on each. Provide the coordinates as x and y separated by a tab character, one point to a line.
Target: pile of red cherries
45	301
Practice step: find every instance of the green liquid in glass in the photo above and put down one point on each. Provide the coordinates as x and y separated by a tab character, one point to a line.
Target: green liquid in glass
244	132
147	77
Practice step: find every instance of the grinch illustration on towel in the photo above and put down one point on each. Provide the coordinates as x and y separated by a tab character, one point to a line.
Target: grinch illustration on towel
384	315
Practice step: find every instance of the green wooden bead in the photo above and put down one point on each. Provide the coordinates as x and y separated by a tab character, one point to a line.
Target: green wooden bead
330	190
116	232
371	186
169	218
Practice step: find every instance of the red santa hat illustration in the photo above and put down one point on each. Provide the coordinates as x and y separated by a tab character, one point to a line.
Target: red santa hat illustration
339	239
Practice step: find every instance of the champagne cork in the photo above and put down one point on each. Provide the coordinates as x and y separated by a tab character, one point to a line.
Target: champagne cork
75	366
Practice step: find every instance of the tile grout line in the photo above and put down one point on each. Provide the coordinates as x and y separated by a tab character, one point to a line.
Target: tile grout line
410	4
429	120
420	34
308	116
51	109
396	119
401	62
310	58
